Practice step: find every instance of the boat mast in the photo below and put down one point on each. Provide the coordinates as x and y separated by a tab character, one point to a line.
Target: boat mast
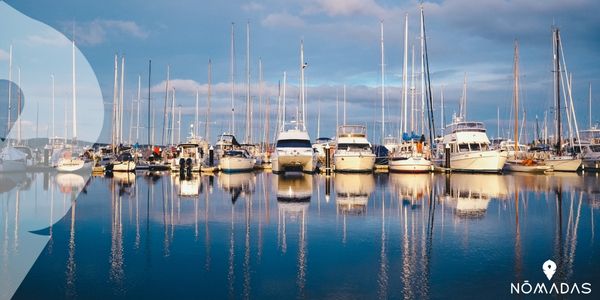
422	39
149	106
590	108
248	137
179	124
207	126
516	96
120	140
442	118
173	118
405	78
115	102
165	116
412	92
10	83
344	116
260	101
303	65
139	99
195	131
53	111
232	73
19	105
382	87
283	112
319	119
337	109
74	95
557	90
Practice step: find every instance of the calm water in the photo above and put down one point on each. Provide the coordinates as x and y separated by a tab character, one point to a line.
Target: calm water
260	235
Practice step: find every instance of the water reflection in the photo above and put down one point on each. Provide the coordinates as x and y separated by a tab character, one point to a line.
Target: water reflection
352	192
262	235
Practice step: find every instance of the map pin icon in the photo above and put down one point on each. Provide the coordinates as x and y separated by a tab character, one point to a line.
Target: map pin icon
549	268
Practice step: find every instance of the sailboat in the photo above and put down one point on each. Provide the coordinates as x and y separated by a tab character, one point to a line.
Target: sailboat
293	150
69	162
518	163
412	155
560	161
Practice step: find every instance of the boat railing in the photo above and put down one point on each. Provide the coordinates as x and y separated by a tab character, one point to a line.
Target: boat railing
352	131
465	127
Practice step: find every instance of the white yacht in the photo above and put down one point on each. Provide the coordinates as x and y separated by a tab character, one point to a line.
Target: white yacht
188	158
319	147
353	152
411	156
70	164
123	163
236	161
590	148
469	148
293	152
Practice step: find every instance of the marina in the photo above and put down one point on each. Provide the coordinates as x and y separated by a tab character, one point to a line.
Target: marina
315	150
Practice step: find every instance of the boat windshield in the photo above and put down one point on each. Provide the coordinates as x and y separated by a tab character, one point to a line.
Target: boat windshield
354	146
235	153
595	148
294	144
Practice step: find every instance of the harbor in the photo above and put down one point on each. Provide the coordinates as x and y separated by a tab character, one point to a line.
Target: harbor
283	157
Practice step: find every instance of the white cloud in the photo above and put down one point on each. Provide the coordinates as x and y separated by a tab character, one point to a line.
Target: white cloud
49	40
98	31
3	54
346	8
253	6
283	19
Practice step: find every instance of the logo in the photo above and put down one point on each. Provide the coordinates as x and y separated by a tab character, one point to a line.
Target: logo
549	268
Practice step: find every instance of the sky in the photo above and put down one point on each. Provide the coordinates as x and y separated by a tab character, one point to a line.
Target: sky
342	47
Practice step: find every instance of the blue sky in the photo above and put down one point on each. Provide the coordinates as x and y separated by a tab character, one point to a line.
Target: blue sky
341	47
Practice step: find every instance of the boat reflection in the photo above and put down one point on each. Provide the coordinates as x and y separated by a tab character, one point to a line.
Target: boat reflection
294	187
70	183
469	194
352	192
410	188
237	184
187	185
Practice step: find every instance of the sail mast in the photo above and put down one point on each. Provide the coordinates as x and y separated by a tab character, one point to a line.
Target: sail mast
121	100
195	132
139	99
232	74
165	116
53	110
516	96
149	105
248	138
422	40
10	55
344	105
382	87
557	90
74	96
405	77
302	92
207	126
590	108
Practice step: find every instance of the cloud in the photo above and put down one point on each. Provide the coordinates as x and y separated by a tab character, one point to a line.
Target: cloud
345	8
283	19
3	54
99	30
49	40
252	6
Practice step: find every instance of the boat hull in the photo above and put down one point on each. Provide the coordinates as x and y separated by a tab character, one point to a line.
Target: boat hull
591	164
236	164
410	165
478	162
8	166
353	163
300	162
66	165
518	166
124	166
564	163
